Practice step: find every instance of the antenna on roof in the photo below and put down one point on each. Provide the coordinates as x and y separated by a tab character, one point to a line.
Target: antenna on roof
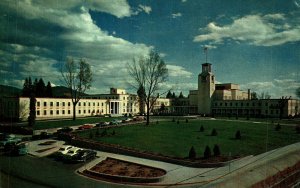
205	49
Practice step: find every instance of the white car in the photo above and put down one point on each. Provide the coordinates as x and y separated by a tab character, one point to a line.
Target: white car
64	149
73	151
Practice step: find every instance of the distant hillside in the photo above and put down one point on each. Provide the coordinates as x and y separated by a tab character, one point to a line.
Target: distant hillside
9	91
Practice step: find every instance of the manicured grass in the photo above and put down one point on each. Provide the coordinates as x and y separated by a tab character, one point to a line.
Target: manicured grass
172	139
68	122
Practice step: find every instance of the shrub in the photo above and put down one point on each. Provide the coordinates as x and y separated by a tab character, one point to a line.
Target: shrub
186	120
201	128
113	133
177	121
157	122
173	120
192	153
238	135
278	127
214	132
216	150
207	152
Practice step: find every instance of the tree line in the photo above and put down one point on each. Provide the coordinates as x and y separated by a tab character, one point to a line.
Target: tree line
38	88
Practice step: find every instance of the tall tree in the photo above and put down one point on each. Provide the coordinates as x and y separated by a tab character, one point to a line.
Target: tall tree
254	96
169	95
26	88
41	88
148	72
32	111
49	92
35	86
141	94
181	95
78	78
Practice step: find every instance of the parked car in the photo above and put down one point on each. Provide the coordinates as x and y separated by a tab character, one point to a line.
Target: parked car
16	148
100	124
65	130
62	151
73	151
85	126
126	120
115	122
8	139
84	155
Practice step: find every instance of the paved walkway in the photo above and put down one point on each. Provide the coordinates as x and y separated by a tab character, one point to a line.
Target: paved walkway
243	172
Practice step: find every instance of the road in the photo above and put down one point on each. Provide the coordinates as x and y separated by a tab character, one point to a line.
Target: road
33	172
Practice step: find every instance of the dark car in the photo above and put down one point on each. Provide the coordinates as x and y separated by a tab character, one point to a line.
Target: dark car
65	130
84	155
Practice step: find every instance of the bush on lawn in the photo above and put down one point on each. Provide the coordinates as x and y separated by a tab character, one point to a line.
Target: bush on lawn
186	120
207	152
216	150
113	133
173	120
278	127
201	128
177	121
238	135
192	153
214	132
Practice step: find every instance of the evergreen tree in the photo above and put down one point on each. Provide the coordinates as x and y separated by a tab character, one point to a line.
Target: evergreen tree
238	135
41	88
49	90
181	95
26	89
32	112
173	96
35	86
169	95
207	152
192	153
30	86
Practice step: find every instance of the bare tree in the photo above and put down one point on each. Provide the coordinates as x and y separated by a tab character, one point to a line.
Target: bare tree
78	78
264	95
148	73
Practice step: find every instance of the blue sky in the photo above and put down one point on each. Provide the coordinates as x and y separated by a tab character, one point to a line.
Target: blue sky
251	42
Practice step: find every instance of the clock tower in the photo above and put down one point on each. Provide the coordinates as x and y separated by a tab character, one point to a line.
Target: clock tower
206	89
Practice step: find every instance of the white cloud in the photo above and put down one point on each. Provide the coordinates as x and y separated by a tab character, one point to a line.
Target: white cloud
268	30
146	9
183	1
176	15
178	71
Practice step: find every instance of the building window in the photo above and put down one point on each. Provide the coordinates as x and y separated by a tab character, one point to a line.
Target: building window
84	104
253	104
57	112
38	103
51	103
266	111
57	103
79	111
89	104
98	104
93	104
102	104
242	104
63	103
69	111
38	113
89	111
45	103
247	104
63	112
51	112
225	103
83	111
45	112
267	104
69	104
221	104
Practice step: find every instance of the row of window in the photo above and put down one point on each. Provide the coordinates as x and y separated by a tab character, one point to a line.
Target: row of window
63	112
68	103
238	104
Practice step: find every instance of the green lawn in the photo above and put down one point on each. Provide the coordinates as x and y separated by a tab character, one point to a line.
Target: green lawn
172	139
68	122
